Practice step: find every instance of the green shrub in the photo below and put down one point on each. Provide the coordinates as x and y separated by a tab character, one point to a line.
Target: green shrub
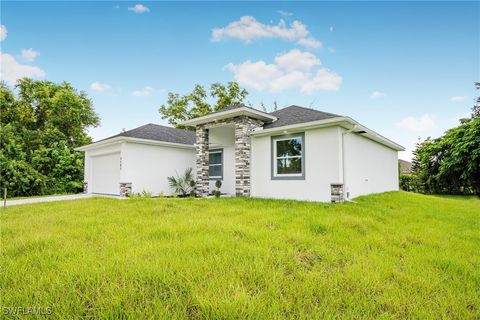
410	182
217	193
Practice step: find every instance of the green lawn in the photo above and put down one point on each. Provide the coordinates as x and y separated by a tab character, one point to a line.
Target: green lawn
394	255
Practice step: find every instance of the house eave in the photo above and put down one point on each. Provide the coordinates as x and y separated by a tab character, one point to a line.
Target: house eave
344	122
117	140
243	111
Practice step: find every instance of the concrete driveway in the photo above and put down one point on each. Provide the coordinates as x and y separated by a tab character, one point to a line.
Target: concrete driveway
55	198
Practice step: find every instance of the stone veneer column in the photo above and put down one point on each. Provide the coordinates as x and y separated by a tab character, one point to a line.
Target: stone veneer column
202	161
243	127
125	189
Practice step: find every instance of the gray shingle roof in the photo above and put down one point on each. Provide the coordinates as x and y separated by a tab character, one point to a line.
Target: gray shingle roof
159	133
234	106
295	114
286	116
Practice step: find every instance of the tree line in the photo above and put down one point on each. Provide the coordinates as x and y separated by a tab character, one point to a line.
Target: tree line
449	164
41	124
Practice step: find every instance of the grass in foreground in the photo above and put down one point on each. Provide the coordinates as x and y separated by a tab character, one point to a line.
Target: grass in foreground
395	255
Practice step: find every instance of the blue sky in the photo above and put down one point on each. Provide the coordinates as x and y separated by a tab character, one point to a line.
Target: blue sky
405	70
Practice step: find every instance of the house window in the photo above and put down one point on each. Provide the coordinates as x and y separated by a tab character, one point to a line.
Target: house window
215	164
288	157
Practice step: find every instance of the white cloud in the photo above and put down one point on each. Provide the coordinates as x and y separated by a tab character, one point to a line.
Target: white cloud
287	81
285	13
291	70
257	75
142	92
248	29
324	80
29	54
297	60
99	87
309	42
3	32
422	123
458	99
377	94
139	8
11	70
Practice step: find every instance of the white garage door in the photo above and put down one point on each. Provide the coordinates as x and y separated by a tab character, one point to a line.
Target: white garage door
106	174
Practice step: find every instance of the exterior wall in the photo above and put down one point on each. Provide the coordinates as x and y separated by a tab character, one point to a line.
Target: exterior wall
322	150
88	172
147	167
370	167
224	138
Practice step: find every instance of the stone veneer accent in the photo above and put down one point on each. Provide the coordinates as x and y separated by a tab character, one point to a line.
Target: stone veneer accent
243	143
336	192
243	127
125	189
201	145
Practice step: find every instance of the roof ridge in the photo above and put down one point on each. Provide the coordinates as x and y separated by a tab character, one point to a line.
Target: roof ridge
157	132
295	114
312	109
157	125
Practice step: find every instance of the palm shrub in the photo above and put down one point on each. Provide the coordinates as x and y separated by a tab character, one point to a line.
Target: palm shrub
192	186
183	185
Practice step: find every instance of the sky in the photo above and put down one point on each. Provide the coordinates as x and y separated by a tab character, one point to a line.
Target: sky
404	69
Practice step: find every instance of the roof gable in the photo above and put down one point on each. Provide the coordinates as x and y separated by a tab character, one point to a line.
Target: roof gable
229	112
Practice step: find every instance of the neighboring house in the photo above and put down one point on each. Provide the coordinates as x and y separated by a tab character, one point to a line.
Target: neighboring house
405	166
293	153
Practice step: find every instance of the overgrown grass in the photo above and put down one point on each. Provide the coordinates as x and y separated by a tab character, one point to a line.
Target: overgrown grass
394	255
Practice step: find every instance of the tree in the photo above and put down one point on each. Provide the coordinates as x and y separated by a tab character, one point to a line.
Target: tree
476	105
451	163
44	106
179	108
39	129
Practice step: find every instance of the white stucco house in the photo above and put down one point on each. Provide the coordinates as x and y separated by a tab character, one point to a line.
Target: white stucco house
293	153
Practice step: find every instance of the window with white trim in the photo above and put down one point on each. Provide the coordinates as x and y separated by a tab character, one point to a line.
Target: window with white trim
288	157
215	164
